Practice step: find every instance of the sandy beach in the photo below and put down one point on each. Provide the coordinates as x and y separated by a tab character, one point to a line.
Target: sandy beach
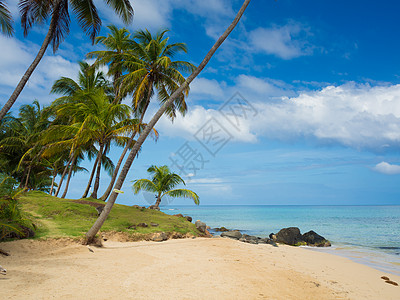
214	268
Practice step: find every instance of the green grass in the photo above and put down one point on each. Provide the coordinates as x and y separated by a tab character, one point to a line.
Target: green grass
56	217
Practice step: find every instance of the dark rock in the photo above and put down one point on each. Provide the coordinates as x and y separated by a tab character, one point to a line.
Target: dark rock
154	207
221	229
289	236
189	218
248	239
142	225
99	209
314	239
154	224
265	241
234	234
159	237
178	215
201	226
132	226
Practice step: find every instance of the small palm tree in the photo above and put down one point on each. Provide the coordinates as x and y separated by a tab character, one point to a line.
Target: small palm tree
162	184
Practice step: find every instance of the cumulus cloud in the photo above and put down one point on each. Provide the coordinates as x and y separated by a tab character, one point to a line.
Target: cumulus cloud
386	168
352	115
15	59
287	42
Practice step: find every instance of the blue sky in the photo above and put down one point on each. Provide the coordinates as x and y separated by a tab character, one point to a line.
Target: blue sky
319	81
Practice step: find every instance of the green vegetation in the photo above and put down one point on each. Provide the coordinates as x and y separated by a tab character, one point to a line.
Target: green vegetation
56	217
162	184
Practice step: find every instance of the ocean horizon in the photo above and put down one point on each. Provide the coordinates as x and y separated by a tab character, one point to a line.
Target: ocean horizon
368	234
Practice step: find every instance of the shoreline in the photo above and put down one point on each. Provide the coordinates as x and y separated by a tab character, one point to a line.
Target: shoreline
205	268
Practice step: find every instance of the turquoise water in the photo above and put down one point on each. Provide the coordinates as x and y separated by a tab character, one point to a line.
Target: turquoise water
367	234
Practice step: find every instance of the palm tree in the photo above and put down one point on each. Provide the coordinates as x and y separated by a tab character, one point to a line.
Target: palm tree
149	66
5	20
90	235
34	11
117	42
162	184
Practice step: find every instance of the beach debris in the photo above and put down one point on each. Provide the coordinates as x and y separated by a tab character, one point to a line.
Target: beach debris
385	278
3	271
159	237
233	234
90	249
392	282
201	226
2	252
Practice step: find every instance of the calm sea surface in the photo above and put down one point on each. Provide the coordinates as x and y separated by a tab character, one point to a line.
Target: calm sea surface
366	234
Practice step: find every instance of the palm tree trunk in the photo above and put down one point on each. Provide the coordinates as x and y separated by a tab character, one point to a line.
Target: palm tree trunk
31	68
52	183
158	201
69	177
27	176
97	180
64	173
90	235
91	178
128	145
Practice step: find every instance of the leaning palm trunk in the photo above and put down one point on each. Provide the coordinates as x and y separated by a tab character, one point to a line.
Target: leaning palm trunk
63	174
91	178
90	235
128	145
52	183
27	176
31	68
69	177
97	180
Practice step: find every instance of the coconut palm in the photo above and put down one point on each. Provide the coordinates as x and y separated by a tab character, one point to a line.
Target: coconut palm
116	43
90	235
39	11
5	20
162	184
149	67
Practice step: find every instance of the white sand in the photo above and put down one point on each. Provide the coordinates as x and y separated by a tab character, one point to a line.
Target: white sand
184	269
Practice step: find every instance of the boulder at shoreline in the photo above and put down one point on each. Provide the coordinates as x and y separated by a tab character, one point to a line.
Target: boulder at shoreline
233	234
289	236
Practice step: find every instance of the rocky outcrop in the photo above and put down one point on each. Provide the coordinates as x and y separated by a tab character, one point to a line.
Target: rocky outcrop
201	226
221	229
154	207
182	216
159	237
289	236
189	218
314	239
233	234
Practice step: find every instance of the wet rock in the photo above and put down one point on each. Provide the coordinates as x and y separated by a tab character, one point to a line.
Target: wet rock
201	226
289	236
314	239
233	234
249	239
221	229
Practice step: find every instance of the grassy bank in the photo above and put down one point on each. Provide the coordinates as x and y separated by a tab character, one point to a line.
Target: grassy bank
56	217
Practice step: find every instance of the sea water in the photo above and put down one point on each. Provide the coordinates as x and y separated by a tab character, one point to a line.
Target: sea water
366	234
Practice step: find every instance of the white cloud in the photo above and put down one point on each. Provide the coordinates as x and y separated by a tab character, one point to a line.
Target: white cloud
207	87
386	168
16	58
357	116
287	42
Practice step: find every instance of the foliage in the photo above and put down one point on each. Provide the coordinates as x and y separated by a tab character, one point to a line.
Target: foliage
162	184
12	221
57	217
